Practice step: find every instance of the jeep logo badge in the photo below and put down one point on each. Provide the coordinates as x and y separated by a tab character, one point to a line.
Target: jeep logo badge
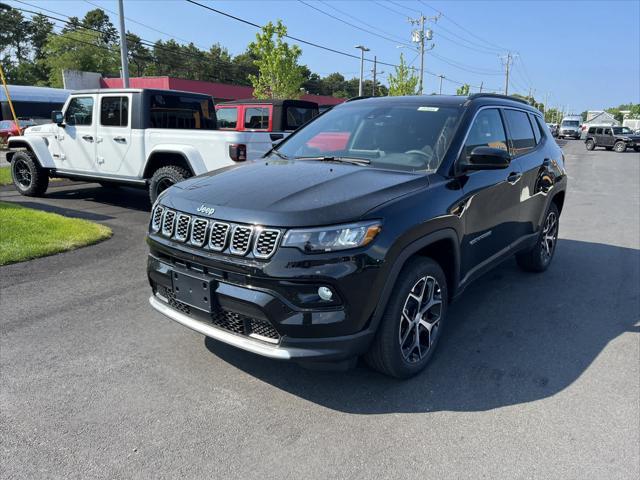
206	210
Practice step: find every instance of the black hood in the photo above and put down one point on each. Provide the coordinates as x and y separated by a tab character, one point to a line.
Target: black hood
283	193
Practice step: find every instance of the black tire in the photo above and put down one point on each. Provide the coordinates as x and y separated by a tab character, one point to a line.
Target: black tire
590	144
387	354
540	256
28	177
165	177
620	147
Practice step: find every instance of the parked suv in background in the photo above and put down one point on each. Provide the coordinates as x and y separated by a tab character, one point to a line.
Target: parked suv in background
612	138
137	137
327	250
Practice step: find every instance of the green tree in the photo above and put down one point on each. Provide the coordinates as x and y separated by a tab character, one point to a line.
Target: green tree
463	90
404	82
140	58
279	75
85	52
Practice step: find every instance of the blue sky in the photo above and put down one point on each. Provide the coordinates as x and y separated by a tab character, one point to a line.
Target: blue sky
583	54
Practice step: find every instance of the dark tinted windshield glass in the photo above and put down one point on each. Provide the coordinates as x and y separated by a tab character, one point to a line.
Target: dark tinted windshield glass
400	136
571	123
181	112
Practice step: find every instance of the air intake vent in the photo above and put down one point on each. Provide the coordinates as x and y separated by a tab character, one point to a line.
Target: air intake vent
156	221
266	243
182	227
199	231
241	240
218	236
167	223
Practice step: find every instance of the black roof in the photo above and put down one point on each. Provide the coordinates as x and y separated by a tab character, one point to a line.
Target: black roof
443	100
271	101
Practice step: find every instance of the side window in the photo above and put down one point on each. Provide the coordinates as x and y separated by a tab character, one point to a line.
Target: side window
79	111
592	130
296	116
537	133
487	131
181	112
521	134
114	111
607	131
256	118
227	117
598	131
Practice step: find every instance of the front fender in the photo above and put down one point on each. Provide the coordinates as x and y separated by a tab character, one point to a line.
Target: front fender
37	145
191	155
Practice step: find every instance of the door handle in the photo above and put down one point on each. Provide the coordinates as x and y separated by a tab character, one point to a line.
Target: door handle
514	177
88	138
119	139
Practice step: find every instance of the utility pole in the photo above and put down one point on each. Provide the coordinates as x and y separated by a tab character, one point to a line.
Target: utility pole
124	60
441	77
546	99
362	49
481	83
508	61
419	36
375	75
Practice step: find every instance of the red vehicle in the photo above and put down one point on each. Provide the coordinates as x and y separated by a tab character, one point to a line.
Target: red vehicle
8	128
279	117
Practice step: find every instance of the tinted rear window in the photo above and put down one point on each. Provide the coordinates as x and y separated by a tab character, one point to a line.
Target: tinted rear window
520	132
114	111
227	117
182	112
297	116
256	118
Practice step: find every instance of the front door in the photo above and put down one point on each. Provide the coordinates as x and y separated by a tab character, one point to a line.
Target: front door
607	138
492	210
114	139
77	136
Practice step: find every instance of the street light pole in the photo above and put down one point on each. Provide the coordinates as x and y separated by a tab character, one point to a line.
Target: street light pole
362	49
123	47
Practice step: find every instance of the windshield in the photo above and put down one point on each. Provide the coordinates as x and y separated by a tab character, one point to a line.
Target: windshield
6	124
622	131
400	136
570	123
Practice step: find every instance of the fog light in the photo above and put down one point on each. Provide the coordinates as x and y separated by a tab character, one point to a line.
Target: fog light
325	293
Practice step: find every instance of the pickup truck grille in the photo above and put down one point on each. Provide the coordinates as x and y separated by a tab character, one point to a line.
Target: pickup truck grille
236	239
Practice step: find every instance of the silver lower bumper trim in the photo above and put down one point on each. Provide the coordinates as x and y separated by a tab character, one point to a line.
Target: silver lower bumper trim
210	331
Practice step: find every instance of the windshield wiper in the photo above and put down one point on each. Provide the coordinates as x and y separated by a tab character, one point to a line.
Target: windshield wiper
281	155
325	158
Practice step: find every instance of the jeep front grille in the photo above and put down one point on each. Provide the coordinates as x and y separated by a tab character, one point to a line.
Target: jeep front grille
156	221
215	236
182	227
167	223
218	236
241	240
199	231
266	243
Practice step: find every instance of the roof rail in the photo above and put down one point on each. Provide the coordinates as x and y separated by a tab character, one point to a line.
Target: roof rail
353	99
497	95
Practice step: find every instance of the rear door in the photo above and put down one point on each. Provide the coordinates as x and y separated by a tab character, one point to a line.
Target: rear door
114	132
493	198
77	139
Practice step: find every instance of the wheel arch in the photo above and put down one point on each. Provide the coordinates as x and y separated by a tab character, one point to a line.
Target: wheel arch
442	246
37	146
184	156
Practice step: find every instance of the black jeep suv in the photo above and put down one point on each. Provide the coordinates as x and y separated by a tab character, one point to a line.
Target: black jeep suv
352	235
612	138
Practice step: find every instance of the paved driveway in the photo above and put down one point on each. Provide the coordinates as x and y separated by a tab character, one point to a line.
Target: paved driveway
536	376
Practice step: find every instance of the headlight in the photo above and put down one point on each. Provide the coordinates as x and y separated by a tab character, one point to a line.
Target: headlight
328	239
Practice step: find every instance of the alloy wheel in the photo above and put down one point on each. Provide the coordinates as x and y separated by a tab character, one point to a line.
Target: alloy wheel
163	184
22	173
549	236
420	319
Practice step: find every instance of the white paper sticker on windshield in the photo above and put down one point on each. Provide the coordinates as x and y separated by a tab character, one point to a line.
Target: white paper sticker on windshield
427	109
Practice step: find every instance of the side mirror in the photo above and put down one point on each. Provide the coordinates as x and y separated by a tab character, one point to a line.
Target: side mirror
487	158
57	117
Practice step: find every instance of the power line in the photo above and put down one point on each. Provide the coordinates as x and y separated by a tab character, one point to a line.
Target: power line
351	24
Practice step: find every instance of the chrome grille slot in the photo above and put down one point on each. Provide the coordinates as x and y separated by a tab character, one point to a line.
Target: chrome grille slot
199	231
182	227
156	219
266	243
167	222
218	236
241	240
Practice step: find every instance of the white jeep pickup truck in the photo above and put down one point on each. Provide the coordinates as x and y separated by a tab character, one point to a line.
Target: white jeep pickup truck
136	137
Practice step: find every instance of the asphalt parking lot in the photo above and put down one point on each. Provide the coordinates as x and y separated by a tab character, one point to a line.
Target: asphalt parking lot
536	376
